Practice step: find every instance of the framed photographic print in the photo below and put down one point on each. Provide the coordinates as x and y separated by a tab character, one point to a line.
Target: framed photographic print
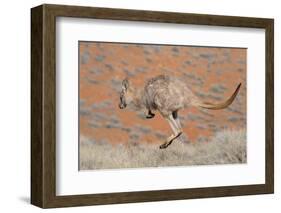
136	106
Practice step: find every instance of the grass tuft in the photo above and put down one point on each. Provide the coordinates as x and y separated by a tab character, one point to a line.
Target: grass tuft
226	147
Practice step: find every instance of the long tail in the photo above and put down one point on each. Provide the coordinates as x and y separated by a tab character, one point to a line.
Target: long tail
223	105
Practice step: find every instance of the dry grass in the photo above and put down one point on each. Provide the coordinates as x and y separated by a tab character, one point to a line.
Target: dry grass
226	147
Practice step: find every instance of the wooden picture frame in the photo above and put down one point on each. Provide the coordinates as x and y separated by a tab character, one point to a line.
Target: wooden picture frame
43	105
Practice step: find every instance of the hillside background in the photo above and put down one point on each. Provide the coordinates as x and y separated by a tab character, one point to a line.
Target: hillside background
211	73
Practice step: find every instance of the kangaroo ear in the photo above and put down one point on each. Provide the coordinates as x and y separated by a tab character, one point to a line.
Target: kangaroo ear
125	83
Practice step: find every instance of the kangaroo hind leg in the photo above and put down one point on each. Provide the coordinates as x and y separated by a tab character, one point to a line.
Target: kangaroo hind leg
176	132
177	120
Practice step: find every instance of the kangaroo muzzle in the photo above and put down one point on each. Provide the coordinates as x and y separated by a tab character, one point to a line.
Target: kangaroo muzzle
122	103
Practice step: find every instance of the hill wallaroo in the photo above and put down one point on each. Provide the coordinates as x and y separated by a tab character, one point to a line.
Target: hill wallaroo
167	95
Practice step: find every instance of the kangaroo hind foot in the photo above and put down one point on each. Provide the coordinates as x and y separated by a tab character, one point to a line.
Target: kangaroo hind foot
170	140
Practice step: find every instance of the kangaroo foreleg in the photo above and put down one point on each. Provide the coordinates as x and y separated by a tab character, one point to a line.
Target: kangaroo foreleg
149	114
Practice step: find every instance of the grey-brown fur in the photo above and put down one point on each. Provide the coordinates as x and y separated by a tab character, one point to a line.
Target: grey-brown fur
167	95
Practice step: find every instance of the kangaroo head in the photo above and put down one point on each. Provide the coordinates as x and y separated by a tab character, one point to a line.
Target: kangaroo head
127	94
